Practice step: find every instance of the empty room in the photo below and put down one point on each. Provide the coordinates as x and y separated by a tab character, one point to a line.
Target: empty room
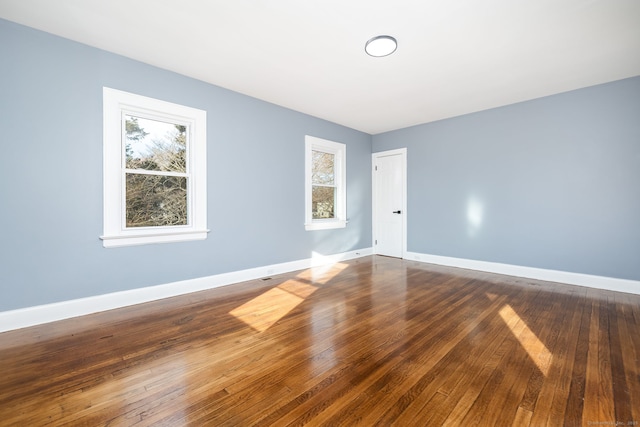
335	213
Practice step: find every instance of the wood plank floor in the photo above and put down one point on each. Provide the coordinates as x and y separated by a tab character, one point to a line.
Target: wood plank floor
371	341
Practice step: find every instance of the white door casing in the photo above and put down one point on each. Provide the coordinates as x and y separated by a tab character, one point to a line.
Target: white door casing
390	202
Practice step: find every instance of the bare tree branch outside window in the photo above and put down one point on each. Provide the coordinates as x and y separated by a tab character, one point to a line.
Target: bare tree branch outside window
323	185
156	173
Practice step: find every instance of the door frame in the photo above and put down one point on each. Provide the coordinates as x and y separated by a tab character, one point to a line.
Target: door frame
374	156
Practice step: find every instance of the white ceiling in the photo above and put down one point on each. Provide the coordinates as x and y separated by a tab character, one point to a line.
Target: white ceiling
454	56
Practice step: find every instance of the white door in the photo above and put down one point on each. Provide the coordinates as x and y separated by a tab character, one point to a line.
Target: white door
389	202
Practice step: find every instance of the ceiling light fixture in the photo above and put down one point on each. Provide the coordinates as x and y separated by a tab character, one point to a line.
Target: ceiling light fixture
381	46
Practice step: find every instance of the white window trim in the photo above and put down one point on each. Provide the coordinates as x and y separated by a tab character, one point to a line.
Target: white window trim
339	150
115	104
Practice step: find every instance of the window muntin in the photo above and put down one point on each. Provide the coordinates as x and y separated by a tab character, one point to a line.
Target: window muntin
325	184
154	171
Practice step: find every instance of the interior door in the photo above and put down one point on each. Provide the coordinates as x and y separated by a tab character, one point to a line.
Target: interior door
389	203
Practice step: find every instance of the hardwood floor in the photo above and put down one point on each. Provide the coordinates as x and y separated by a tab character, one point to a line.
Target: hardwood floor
371	341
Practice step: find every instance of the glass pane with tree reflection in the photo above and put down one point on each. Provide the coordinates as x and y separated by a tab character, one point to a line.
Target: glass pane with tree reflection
322	169
154	145
323	202
156	200
156	196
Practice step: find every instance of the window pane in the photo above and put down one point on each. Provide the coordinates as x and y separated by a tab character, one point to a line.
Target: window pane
323	202
155	200
322	168
155	145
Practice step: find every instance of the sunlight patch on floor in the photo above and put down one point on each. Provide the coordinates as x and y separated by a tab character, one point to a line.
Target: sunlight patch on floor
322	273
266	309
537	351
491	296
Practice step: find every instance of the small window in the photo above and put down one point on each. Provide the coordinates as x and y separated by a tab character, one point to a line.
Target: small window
325	201
154	171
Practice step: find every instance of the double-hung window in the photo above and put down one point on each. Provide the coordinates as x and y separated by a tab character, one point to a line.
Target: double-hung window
325	178
154	171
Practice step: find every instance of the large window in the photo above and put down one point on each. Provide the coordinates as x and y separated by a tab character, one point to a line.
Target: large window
154	171
325	201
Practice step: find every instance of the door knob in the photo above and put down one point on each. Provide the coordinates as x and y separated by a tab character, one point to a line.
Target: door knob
397	212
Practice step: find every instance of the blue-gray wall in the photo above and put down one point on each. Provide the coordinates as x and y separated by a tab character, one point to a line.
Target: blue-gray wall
51	177
551	183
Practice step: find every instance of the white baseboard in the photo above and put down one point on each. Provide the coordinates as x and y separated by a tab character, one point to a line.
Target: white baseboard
599	282
30	316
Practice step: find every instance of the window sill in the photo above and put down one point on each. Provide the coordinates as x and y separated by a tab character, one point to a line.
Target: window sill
147	239
325	225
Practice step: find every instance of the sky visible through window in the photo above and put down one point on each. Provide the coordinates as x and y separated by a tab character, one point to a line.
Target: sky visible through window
155	131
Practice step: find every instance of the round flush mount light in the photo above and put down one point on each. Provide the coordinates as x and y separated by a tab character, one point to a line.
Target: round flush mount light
381	46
